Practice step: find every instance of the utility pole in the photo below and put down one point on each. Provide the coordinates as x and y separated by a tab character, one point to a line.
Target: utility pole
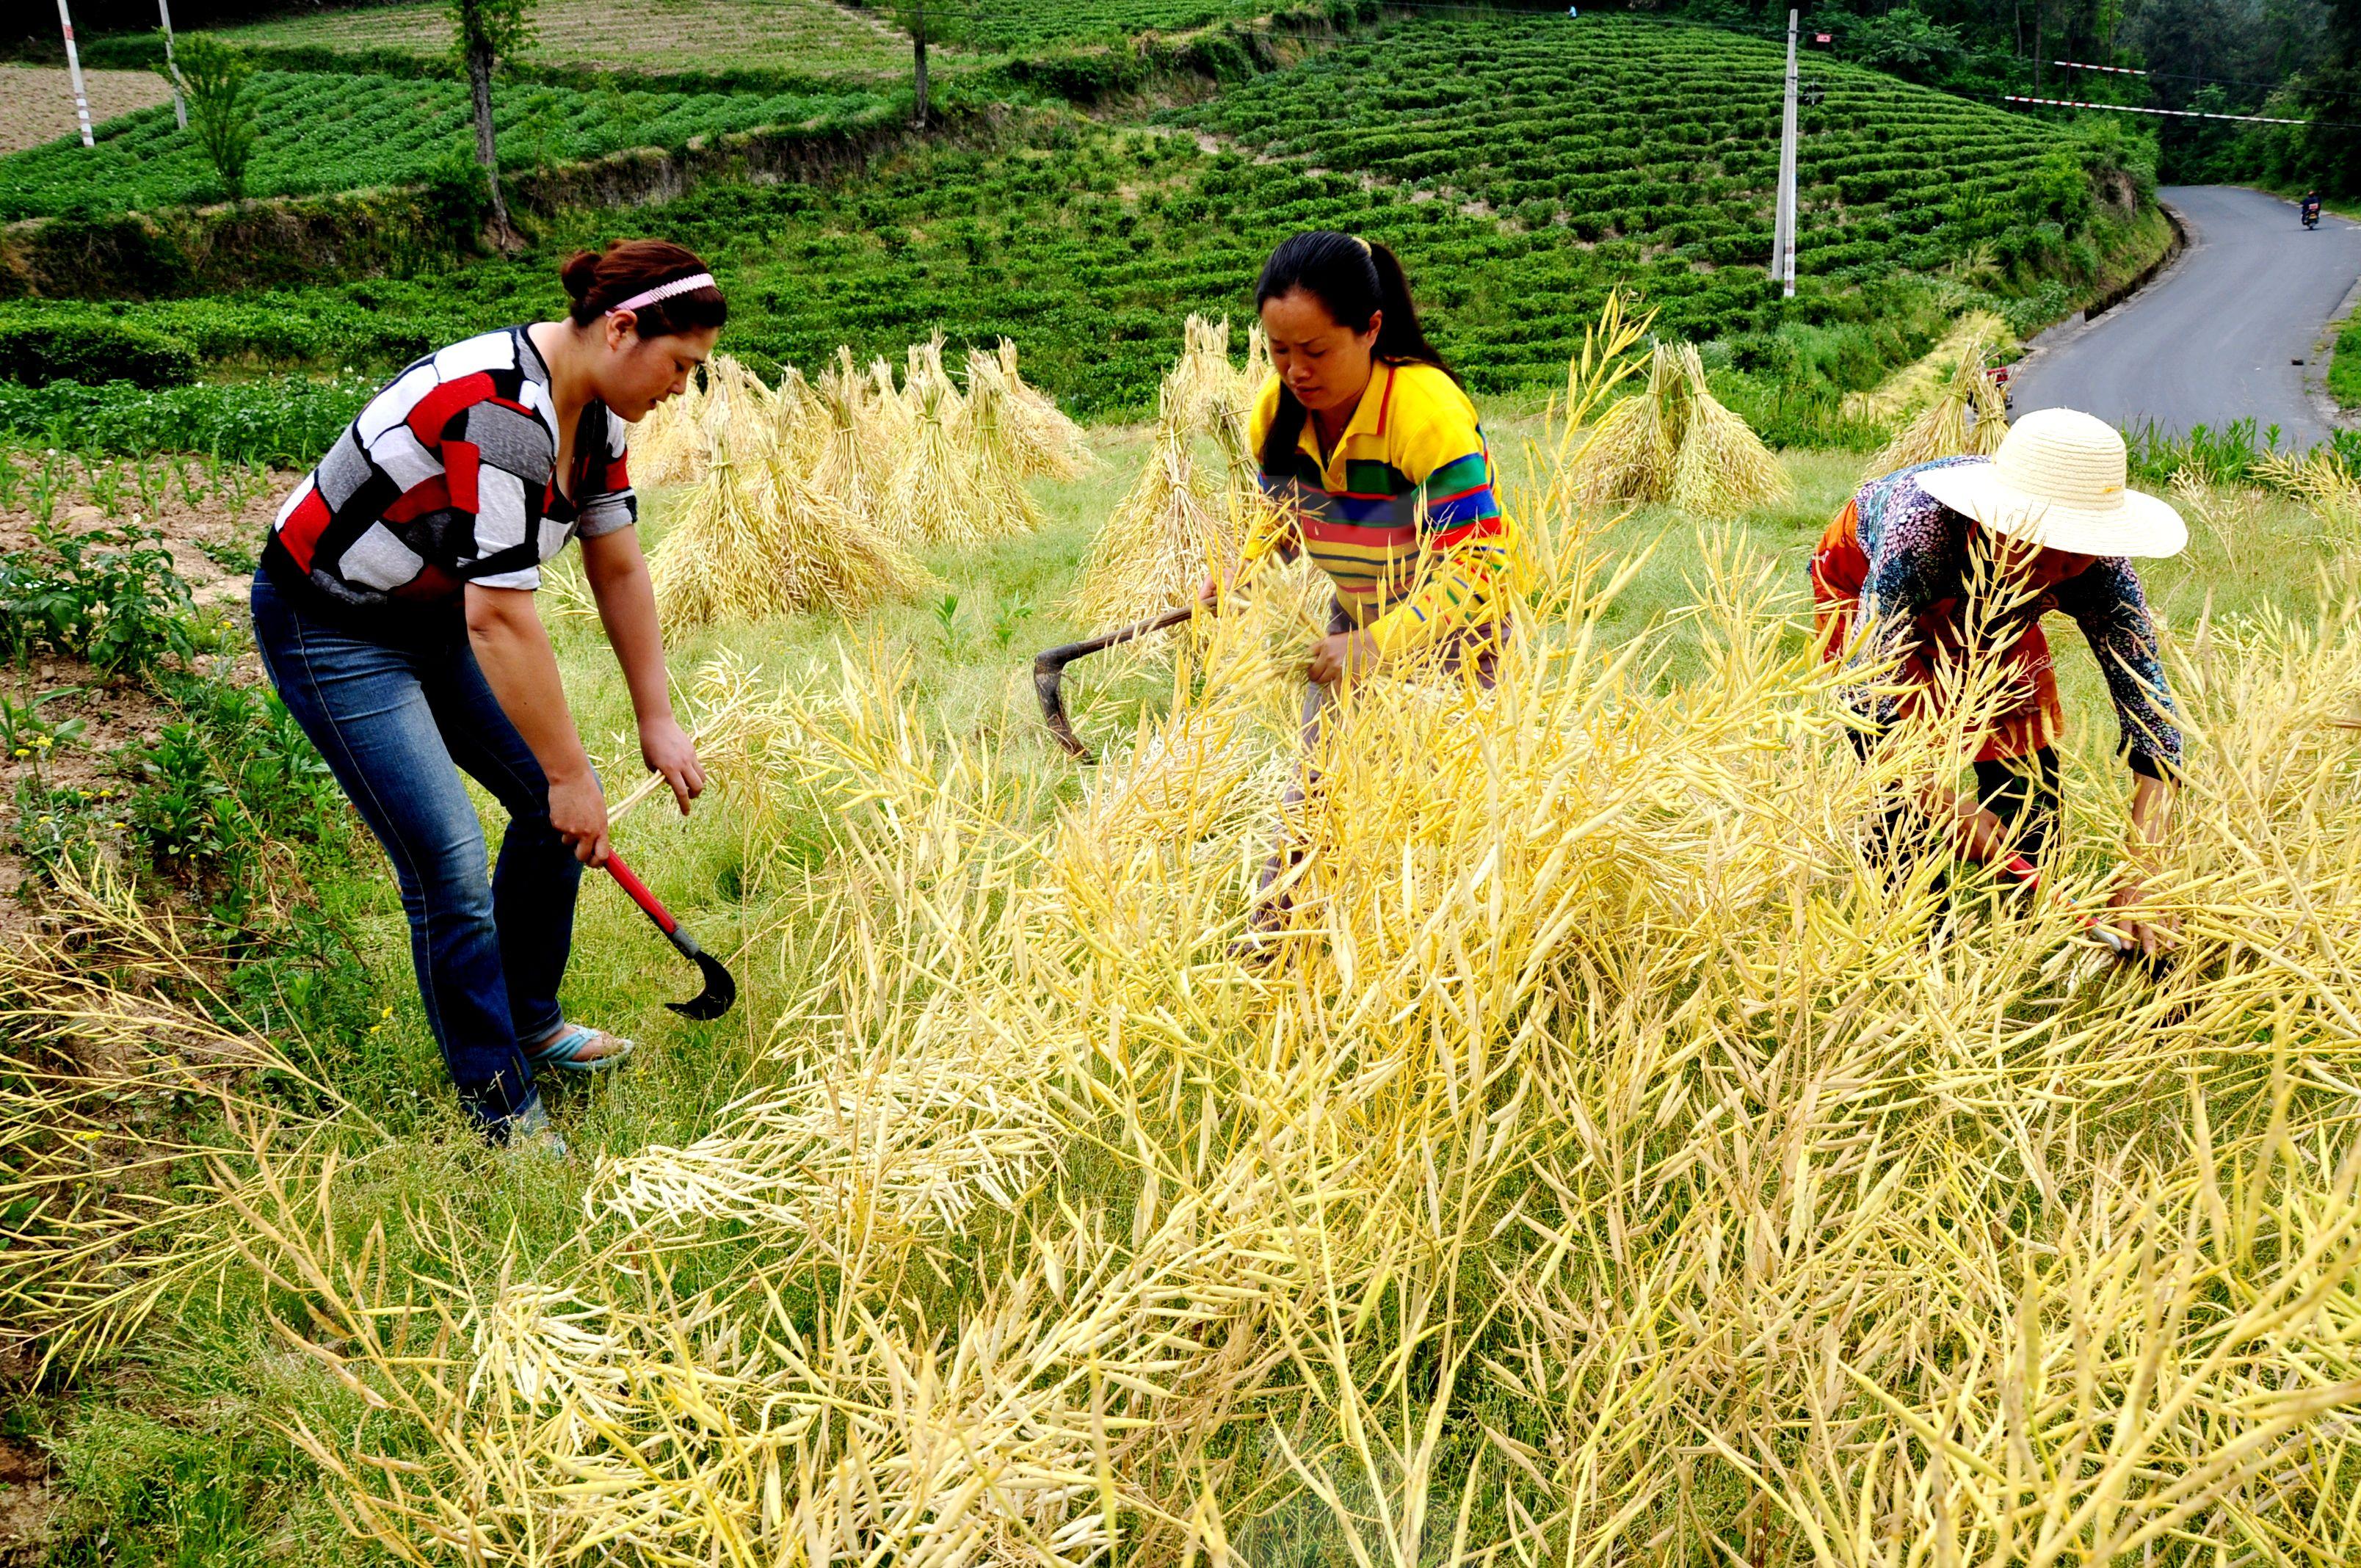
918	40
179	105
73	65
1782	238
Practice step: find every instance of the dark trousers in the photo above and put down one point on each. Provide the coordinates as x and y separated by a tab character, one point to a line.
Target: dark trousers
398	720
2025	793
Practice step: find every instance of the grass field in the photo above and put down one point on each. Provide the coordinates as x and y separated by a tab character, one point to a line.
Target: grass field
182	1440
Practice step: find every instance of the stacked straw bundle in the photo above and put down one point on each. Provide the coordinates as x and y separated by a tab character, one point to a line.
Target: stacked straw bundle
1964	413
1181	519
1675	441
991	435
933	500
759	536
1172	527
1044	442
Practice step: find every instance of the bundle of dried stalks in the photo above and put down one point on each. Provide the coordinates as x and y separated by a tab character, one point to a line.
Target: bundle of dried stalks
1257	368
1722	468
988	436
721	560
1629	456
1965	413
1045	443
1675	441
852	464
933	500
1176	523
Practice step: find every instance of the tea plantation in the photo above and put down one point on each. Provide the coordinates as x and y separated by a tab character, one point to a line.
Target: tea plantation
1522	164
325	131
1620	127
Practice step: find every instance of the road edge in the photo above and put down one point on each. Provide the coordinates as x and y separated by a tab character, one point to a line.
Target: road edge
2187	240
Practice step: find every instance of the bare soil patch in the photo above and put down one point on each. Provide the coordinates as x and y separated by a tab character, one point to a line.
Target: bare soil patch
37	101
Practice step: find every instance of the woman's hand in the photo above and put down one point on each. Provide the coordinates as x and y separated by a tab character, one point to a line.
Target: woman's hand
578	809
668	749
2151	932
1342	657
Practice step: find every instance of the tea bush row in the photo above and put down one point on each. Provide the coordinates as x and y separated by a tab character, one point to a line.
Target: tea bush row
323	131
1621	126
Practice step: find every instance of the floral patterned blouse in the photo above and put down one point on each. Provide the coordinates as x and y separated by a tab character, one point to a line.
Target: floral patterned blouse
1904	560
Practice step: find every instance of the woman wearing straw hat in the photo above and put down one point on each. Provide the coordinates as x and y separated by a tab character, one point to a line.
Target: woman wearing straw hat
1907	559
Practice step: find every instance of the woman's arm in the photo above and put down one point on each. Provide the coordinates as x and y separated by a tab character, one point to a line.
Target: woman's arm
618	574
522	669
2106	600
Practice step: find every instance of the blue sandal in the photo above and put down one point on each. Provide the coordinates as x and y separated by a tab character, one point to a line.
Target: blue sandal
564	1050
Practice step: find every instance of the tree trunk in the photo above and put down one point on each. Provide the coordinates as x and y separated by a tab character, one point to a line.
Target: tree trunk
919	42
479	79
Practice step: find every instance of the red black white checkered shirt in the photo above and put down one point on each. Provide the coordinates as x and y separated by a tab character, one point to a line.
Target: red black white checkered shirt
446	478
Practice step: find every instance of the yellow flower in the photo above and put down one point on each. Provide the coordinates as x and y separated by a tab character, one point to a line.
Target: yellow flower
20	752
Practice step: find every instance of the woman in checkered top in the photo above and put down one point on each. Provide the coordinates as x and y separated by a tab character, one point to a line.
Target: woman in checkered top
394	610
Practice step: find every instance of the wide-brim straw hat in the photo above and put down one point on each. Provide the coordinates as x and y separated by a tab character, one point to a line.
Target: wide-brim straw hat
2059	481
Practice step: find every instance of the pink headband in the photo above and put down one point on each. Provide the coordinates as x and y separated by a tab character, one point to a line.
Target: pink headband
689	285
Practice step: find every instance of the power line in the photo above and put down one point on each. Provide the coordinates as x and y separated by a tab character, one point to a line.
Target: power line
2174	114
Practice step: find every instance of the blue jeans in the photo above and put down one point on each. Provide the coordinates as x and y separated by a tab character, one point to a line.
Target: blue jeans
397	720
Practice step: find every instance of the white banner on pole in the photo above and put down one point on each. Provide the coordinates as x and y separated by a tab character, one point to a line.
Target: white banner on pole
74	68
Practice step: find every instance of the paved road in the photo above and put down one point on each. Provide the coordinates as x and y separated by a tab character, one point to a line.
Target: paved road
2212	340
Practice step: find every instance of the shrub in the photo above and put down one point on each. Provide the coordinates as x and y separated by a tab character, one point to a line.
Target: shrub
56	345
212	76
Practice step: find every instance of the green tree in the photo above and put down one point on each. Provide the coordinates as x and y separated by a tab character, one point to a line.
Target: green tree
2332	92
211	75
485	34
926	22
1907	42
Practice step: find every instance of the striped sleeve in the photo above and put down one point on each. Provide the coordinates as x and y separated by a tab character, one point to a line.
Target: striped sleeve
1468	543
613	504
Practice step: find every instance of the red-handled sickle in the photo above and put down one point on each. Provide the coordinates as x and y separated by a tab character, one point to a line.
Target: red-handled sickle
720	992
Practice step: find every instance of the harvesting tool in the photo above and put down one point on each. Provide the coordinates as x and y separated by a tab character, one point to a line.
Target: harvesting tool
1049	670
720	992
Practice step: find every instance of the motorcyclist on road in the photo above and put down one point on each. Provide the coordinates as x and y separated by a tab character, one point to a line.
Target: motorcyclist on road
2310	203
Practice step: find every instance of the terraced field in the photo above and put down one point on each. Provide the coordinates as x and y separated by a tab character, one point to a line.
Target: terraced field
334	131
1615	126
813	37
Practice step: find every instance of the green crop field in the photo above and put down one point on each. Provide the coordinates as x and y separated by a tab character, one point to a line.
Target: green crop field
324	131
812	35
1618	127
805	36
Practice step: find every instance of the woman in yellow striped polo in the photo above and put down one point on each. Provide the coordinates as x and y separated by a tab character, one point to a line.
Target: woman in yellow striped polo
1377	465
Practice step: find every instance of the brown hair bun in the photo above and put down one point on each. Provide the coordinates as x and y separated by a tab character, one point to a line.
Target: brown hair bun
598	282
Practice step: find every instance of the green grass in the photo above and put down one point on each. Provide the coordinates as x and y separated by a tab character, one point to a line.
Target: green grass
324	131
168	1452
2344	366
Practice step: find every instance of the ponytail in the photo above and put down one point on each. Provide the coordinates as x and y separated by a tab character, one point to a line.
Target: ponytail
1353	279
